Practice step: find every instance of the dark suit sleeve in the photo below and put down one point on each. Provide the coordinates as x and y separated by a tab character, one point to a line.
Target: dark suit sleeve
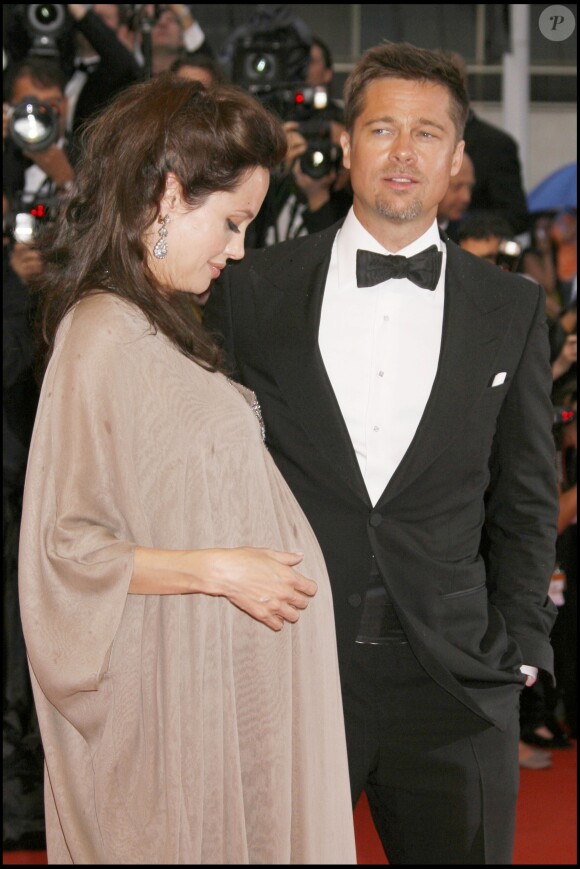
335	209
522	503
117	64
504	188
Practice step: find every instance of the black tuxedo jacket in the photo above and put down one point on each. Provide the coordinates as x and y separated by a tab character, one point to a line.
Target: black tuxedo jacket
482	454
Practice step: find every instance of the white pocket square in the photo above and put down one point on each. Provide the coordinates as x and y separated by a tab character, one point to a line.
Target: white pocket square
499	378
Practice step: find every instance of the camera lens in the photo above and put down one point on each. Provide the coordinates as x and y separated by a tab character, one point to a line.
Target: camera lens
260	66
46	14
46	18
320	158
315	162
33	125
24	230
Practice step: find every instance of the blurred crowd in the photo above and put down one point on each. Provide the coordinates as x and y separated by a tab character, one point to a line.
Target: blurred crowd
59	73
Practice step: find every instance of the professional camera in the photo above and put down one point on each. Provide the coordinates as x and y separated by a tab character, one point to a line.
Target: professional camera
509	254
33	124
322	155
273	66
27	221
45	22
269	58
563	416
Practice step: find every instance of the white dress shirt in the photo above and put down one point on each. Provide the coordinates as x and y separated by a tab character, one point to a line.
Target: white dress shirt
380	346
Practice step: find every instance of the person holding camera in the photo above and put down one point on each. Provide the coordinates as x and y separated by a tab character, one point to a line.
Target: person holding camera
37	170
481	233
164	33
311	189
405	388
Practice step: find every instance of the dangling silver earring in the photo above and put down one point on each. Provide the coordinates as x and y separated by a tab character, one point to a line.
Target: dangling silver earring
160	249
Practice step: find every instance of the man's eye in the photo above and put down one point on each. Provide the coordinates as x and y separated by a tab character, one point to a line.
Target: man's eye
232	226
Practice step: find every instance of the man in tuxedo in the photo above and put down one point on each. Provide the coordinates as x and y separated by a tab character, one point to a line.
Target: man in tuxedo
405	390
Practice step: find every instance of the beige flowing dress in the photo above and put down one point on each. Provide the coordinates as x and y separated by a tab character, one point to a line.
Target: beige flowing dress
176	728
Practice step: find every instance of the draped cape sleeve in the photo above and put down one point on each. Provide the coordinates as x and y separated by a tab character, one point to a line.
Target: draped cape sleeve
81	514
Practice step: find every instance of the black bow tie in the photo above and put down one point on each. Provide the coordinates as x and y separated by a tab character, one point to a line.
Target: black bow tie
423	269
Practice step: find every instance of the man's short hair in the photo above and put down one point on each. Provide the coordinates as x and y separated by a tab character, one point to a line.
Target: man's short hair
406	61
46	73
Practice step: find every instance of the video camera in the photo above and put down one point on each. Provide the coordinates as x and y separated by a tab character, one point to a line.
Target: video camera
273	66
44	23
563	416
26	221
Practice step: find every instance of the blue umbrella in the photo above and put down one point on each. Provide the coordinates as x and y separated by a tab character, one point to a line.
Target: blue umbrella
557	192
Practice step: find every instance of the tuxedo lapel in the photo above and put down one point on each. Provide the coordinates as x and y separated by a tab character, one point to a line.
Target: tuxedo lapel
290	329
474	324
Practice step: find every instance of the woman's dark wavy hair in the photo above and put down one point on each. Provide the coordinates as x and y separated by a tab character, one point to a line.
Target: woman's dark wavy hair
209	139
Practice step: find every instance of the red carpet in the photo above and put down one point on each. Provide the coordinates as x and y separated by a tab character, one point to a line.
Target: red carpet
546	825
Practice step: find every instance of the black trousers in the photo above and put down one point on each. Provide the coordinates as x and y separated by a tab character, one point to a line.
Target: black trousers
441	782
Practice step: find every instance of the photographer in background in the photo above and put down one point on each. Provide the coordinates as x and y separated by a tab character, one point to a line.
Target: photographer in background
165	32
311	197
305	197
276	59
482	233
35	171
320	74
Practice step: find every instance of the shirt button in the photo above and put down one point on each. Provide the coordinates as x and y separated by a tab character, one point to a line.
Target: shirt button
375	519
376	428
386	318
355	600
381	373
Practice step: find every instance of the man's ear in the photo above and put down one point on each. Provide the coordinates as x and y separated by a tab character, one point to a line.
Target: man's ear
457	158
345	145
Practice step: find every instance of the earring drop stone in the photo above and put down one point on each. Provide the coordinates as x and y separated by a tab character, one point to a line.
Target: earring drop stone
160	249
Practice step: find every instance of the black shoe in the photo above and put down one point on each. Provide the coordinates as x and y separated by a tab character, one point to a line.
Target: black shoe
559	740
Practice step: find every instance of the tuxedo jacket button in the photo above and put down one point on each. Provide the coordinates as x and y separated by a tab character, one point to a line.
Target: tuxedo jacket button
375	520
355	600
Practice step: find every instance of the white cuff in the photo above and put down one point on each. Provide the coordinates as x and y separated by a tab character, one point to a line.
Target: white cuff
193	37
529	670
